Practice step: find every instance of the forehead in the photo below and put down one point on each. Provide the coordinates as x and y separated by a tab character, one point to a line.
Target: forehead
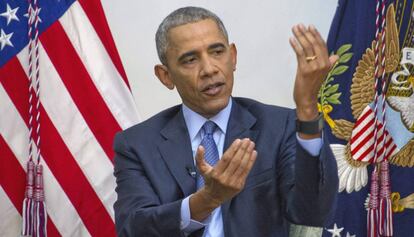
194	35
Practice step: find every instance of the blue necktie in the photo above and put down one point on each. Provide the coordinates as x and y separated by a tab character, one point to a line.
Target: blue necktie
211	154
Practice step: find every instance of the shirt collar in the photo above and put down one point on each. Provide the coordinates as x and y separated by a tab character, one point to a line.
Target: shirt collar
195	121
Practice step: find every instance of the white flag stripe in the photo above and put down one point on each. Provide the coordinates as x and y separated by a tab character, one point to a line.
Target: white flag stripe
103	72
363	123
59	208
74	131
11	221
368	145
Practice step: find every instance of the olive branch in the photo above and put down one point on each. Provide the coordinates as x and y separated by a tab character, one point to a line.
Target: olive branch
328	93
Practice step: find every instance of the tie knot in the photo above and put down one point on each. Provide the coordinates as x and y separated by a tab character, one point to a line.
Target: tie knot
209	127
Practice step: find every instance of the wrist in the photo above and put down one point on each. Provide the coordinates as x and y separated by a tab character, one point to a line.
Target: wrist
307	113
202	204
209	198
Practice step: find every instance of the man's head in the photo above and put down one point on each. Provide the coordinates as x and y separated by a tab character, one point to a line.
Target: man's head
196	57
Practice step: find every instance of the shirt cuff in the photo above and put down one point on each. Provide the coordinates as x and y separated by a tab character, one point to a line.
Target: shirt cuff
187	224
313	146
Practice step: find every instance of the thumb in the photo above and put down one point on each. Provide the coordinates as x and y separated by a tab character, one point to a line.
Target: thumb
332	60
202	165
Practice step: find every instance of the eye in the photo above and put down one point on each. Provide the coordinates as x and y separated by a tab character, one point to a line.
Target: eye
218	51
189	60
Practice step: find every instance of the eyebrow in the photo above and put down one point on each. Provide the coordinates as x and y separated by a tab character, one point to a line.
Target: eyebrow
194	52
216	45
187	54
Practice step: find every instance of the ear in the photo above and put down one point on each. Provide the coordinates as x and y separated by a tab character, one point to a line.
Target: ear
161	71
233	53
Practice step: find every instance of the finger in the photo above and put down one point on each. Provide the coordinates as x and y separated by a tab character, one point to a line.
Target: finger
202	165
244	162
227	156
236	159
300	54
252	160
332	60
299	32
317	36
319	45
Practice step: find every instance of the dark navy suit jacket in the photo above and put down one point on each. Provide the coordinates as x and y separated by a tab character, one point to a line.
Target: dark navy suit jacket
286	184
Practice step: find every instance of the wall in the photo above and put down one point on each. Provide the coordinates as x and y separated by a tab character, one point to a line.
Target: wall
260	29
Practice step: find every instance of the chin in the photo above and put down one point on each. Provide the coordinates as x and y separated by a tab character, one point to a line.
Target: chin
214	107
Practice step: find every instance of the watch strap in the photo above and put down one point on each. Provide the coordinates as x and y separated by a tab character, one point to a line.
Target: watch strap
310	127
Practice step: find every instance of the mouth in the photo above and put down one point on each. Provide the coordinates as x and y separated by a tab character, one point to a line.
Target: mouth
213	89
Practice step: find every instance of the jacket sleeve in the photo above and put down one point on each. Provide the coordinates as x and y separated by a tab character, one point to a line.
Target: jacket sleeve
309	184
138	210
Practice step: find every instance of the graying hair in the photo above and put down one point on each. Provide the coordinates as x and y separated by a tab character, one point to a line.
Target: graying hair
180	17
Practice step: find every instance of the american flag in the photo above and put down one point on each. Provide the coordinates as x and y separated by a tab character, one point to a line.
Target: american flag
85	99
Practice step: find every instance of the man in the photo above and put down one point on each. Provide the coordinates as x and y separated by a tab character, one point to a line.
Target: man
218	165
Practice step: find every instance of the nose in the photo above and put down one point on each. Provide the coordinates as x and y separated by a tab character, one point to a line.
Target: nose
208	67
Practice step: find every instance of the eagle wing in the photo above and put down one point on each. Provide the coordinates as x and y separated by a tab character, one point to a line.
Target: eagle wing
363	81
405	157
392	47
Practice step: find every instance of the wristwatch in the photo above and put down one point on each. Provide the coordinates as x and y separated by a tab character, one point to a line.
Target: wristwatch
310	127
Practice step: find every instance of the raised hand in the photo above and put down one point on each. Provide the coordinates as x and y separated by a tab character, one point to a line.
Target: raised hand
314	64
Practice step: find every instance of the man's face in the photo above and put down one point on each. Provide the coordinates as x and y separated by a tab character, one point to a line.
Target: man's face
200	64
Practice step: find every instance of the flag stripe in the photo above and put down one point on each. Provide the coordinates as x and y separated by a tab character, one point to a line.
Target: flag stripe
61	163
85	95
102	72
87	203
362	128
14	183
96	16
9	74
365	143
11	220
13	176
15	133
366	146
85	99
75	132
365	113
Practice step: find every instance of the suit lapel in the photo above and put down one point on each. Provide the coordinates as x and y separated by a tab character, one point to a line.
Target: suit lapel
240	125
177	153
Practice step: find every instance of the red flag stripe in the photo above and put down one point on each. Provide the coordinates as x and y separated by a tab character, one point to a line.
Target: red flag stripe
15	132
103	72
85	95
366	112
94	11
9	73
75	132
90	208
355	149
362	144
391	152
389	145
362	131
13	181
13	177
61	162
